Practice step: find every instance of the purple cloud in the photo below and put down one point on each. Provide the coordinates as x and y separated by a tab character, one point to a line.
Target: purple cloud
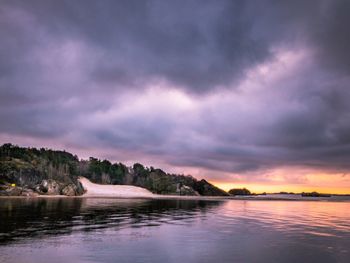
227	87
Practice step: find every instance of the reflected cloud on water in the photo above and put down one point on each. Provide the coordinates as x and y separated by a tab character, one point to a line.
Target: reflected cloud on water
136	230
291	218
34	218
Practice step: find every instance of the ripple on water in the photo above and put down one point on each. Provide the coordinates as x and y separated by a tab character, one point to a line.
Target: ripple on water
205	231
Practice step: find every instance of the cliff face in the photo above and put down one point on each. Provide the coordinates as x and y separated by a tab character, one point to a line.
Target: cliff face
56	172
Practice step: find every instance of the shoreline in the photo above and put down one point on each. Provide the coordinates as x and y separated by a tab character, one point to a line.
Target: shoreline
190	198
99	191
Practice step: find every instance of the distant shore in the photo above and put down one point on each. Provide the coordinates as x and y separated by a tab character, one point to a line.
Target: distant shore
93	190
272	197
123	191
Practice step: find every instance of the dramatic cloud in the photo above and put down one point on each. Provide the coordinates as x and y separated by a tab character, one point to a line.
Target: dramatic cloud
222	89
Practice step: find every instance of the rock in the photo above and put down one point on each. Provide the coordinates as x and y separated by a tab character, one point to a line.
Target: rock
11	191
52	187
29	193
69	190
49	187
185	190
38	189
314	194
80	189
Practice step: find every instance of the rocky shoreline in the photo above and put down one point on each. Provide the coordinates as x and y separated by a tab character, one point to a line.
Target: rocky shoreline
31	171
47	187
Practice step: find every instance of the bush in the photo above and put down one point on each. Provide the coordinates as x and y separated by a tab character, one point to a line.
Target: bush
239	191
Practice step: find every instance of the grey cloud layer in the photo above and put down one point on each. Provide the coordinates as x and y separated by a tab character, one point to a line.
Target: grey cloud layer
68	67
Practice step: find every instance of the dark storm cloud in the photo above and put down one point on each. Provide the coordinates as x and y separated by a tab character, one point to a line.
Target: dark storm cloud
198	45
81	71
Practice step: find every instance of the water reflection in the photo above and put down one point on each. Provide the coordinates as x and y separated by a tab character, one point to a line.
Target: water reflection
110	230
291	218
29	218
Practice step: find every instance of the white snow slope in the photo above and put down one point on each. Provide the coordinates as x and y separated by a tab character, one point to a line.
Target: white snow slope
125	191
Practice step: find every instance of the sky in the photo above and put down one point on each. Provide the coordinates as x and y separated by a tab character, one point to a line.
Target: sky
241	93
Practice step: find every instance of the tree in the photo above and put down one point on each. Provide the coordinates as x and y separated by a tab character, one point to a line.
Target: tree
239	191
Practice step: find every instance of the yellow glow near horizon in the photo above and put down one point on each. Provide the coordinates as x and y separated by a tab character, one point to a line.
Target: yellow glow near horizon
273	188
290	179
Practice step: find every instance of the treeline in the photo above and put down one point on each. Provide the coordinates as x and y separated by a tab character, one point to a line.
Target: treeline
155	180
29	166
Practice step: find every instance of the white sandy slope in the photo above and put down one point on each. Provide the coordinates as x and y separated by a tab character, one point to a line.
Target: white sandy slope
121	191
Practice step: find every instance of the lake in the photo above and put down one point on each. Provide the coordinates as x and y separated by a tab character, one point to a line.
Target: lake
135	230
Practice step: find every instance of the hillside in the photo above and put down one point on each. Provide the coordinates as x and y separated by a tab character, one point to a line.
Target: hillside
45	171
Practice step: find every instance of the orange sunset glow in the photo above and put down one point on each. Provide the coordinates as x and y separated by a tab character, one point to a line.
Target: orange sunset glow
336	183
269	188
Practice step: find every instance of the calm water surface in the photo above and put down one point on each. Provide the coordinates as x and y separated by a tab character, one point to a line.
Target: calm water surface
112	230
